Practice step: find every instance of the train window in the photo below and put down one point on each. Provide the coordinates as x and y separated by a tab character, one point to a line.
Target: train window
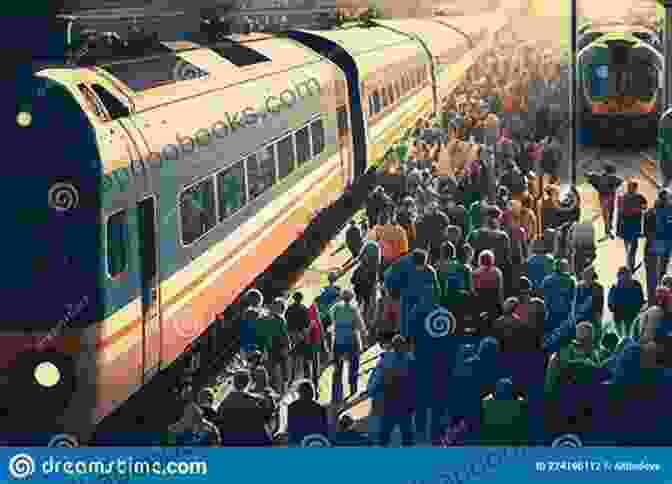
92	101
117	244
371	106
285	156
377	104
239	54
197	210
342	120
153	72
231	190
317	136
397	87
114	106
302	145
383	97
260	171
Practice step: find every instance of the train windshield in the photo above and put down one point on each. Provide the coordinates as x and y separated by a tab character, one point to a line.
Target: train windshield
632	80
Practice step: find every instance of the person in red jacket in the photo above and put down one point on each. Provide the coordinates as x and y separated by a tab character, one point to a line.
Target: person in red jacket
314	343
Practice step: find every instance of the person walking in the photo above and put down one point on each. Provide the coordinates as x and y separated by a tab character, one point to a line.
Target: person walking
606	184
629	226
348	332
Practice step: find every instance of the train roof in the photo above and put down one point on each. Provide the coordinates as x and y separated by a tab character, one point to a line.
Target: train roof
443	41
242	88
374	48
217	62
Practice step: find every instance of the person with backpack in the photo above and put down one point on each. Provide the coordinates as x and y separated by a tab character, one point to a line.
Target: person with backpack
606	184
625	300
354	239
325	300
298	324
348	330
391	389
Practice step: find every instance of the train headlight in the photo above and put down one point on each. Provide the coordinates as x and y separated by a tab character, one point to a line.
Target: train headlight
24	119
47	374
47	377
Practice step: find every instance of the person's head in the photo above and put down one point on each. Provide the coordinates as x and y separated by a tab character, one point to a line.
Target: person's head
347	295
609	169
241	380
297	297
398	344
467	253
306	390
510	305
504	389
332	277
206	397
419	257
254	298
584	334
486	259
524	286
279	306
632	186
260	377
448	250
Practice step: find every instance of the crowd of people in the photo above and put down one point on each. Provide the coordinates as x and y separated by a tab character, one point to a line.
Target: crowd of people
461	276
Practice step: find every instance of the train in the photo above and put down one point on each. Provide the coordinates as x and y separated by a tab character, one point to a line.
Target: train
150	191
619	84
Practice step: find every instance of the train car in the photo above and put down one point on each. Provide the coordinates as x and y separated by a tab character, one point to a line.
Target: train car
620	76
173	180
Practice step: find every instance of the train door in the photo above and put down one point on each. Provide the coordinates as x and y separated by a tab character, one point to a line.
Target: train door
345	143
149	286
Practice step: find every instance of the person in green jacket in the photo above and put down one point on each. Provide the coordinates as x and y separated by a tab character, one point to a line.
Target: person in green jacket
575	362
454	276
273	339
503	417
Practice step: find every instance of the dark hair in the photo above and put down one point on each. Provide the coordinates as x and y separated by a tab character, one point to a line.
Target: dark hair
241	379
419	257
609	168
398	343
448	250
306	390
298	297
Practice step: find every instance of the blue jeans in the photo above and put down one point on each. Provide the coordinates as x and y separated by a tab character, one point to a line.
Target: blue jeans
341	352
389	422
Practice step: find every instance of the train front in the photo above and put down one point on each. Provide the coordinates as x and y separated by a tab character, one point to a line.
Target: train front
50	272
620	91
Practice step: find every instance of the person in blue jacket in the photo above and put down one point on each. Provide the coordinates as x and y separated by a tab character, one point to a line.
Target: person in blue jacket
559	293
416	281
626	299
432	327
390	388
